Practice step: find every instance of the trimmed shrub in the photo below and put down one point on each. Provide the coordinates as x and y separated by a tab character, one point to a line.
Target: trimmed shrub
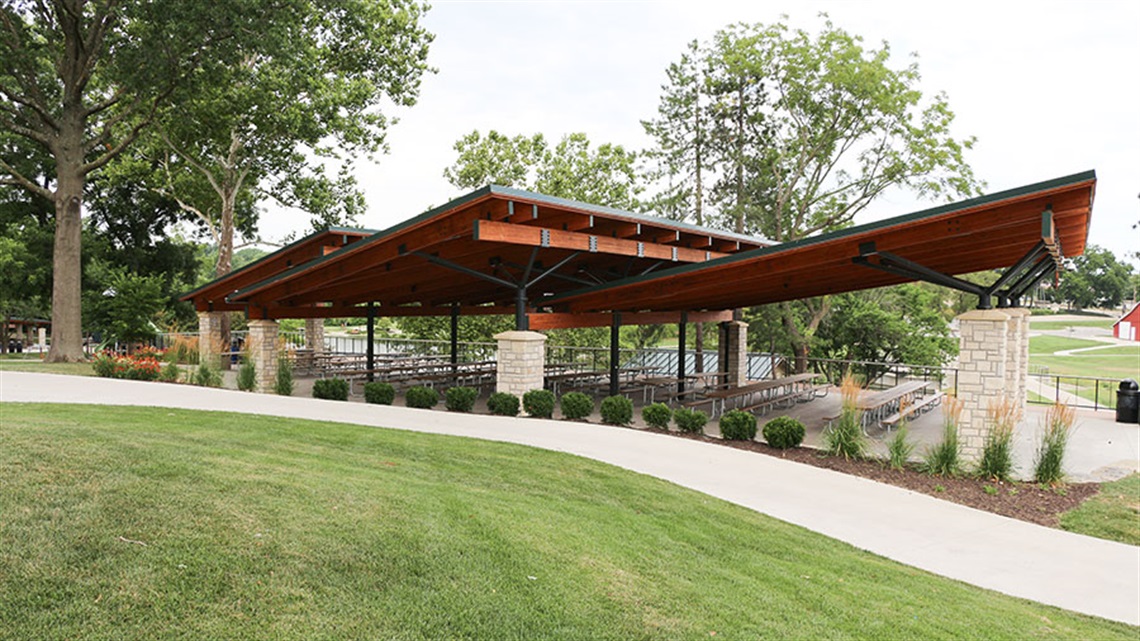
503	404
207	376
689	420
170	373
784	432
421	397
1050	454
576	406
617	410
283	383
460	399
738	425
539	403
247	376
379	393
657	415
333	389
104	365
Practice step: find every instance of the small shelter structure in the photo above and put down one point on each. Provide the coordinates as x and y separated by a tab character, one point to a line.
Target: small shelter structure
1127	327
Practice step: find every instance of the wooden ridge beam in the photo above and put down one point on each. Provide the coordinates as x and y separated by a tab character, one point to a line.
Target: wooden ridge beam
556	320
382	311
532	236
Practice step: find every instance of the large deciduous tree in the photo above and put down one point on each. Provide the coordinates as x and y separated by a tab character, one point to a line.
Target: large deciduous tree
807	130
1095	278
314	89
80	80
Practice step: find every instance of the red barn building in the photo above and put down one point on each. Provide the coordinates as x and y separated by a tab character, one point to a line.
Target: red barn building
1128	327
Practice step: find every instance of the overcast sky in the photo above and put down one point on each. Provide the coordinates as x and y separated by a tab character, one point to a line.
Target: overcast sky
1049	89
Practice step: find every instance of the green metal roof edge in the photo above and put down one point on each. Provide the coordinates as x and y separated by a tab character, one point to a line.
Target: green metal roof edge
374	238
243	268
566	202
850	231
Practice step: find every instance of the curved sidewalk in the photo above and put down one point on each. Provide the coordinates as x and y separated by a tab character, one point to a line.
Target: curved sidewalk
1051	566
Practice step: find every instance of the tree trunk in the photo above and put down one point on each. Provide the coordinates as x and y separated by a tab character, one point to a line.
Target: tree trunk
4	334
225	263
66	309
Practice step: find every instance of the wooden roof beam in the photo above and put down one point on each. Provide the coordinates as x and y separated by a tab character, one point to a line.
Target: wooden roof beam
542	237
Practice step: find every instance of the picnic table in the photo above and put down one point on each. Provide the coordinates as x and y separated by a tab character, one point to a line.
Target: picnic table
760	395
887	407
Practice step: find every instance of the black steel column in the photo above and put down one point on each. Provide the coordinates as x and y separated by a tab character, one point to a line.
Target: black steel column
371	341
454	334
681	352
521	323
615	342
454	340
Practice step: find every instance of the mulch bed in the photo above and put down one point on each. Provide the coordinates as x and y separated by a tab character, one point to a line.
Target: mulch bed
1030	502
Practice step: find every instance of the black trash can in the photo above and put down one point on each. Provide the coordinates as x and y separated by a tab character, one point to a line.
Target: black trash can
1128	402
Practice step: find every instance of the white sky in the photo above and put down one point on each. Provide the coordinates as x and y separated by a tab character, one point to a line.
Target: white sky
1048	88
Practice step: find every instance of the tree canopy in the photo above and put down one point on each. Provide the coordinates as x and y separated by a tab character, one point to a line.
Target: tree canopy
606	175
775	131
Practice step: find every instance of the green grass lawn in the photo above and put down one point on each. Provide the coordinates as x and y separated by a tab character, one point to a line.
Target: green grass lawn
1050	344
36	365
121	523
1045	324
1113	514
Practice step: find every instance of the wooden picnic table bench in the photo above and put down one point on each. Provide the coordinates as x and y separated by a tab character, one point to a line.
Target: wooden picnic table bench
877	407
760	393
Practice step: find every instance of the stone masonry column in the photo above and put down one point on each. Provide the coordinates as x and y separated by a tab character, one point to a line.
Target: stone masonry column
210	338
262	347
521	362
1018	346
983	360
315	334
735	352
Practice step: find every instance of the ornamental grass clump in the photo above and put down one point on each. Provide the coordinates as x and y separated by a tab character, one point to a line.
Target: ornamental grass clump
379	393
539	403
247	376
738	425
171	373
332	389
689	420
943	459
657	415
617	410
845	436
207	375
576	406
460	399
1047	466
503	404
1002	415
899	448
421	397
283	381
784	432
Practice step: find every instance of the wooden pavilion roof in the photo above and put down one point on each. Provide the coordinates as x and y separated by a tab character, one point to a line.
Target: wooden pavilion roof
1000	230
475	251
212	295
580	260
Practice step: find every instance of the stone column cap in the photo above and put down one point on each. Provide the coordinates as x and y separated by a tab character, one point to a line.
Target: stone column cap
993	315
1016	311
516	335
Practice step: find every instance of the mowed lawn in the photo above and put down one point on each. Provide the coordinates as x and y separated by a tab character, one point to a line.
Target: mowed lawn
143	523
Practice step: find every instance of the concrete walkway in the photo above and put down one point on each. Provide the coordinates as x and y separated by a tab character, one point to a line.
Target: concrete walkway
1051	566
